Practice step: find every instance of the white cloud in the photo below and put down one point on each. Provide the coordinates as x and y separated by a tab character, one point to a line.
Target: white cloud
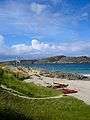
22	19
21	48
40	47
35	45
37	48
37	8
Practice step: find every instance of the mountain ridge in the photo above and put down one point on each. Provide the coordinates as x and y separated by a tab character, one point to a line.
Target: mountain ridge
53	59
65	59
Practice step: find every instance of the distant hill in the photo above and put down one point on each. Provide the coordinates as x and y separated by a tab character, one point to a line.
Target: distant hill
65	59
20	62
55	59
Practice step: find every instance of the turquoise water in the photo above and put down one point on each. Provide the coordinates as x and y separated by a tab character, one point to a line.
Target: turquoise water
70	68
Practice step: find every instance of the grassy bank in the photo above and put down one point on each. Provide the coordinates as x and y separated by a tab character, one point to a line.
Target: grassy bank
66	108
28	89
16	108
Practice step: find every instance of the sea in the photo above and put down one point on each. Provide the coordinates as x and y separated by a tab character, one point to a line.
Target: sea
66	68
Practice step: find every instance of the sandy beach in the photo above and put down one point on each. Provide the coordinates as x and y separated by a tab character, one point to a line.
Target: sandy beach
83	87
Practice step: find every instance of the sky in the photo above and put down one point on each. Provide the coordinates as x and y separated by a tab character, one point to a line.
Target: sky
41	28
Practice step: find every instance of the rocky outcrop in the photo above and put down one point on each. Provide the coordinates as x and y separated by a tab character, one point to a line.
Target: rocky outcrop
69	76
65	59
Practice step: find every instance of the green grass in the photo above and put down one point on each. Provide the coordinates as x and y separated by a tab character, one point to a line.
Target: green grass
28	89
16	108
66	108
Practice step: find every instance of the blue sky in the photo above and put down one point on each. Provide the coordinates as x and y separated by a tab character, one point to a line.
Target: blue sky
39	28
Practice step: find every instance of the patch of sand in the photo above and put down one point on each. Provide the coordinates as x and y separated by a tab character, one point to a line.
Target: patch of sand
83	87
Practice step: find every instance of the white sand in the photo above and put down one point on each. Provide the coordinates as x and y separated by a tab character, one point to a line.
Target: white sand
83	87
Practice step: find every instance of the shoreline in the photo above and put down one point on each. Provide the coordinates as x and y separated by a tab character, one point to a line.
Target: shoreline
87	75
83	87
46	79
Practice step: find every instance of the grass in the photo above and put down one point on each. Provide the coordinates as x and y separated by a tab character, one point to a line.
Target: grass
28	89
16	108
66	108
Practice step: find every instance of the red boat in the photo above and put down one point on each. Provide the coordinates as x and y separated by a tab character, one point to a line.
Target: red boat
68	91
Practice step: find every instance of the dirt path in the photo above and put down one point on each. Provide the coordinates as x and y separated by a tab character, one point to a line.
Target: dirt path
9	90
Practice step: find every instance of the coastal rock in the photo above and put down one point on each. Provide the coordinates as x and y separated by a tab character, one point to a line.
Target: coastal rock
69	76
